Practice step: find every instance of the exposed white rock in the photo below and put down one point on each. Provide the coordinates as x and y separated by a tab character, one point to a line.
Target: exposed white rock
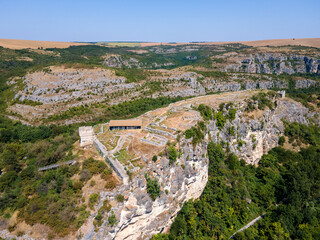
140	217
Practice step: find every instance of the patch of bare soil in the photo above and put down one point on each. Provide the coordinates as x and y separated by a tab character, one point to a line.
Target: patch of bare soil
25	59
139	51
293	146
256	114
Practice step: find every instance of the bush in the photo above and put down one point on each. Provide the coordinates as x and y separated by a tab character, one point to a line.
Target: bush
281	140
221	106
232	114
189	133
205	111
92	183
112	219
153	187
94	166
119	198
231	131
85	175
154	158
132	74
172	152
196	133
221	120
77	185
93	199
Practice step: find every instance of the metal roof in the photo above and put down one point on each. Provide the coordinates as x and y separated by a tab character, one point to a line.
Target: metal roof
125	123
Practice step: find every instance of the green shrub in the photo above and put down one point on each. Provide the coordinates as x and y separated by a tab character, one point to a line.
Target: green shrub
132	74
231	131
232	114
112	219
153	187
119	198
94	166
221	120
205	111
93	199
281	140
172	153
154	158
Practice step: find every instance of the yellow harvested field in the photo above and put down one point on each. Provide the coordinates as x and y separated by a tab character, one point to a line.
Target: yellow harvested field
310	42
21	44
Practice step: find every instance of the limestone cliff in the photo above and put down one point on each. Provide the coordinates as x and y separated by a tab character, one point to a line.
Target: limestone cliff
138	216
277	63
258	133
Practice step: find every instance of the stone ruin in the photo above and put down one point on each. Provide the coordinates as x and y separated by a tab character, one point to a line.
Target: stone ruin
86	136
282	93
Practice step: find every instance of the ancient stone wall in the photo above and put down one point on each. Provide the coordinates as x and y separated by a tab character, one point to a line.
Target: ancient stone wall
86	136
114	163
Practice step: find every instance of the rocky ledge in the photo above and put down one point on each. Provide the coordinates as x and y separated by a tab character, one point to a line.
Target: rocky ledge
277	63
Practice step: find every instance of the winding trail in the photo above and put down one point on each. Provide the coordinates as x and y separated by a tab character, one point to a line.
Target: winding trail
248	225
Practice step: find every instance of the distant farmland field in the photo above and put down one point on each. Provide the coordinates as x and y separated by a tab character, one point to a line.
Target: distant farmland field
120	44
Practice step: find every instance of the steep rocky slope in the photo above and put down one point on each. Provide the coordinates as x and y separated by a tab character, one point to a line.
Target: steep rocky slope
140	217
277	63
258	132
56	90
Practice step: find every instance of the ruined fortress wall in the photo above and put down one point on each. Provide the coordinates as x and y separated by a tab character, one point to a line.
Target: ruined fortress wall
117	167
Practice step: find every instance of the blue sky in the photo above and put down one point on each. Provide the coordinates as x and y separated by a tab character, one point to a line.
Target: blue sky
160	21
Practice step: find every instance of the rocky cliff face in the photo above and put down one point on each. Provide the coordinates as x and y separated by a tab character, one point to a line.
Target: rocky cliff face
138	217
277	63
256	135
213	85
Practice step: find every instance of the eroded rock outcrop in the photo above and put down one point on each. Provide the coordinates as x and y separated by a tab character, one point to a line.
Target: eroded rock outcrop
140	217
269	63
253	135
117	61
